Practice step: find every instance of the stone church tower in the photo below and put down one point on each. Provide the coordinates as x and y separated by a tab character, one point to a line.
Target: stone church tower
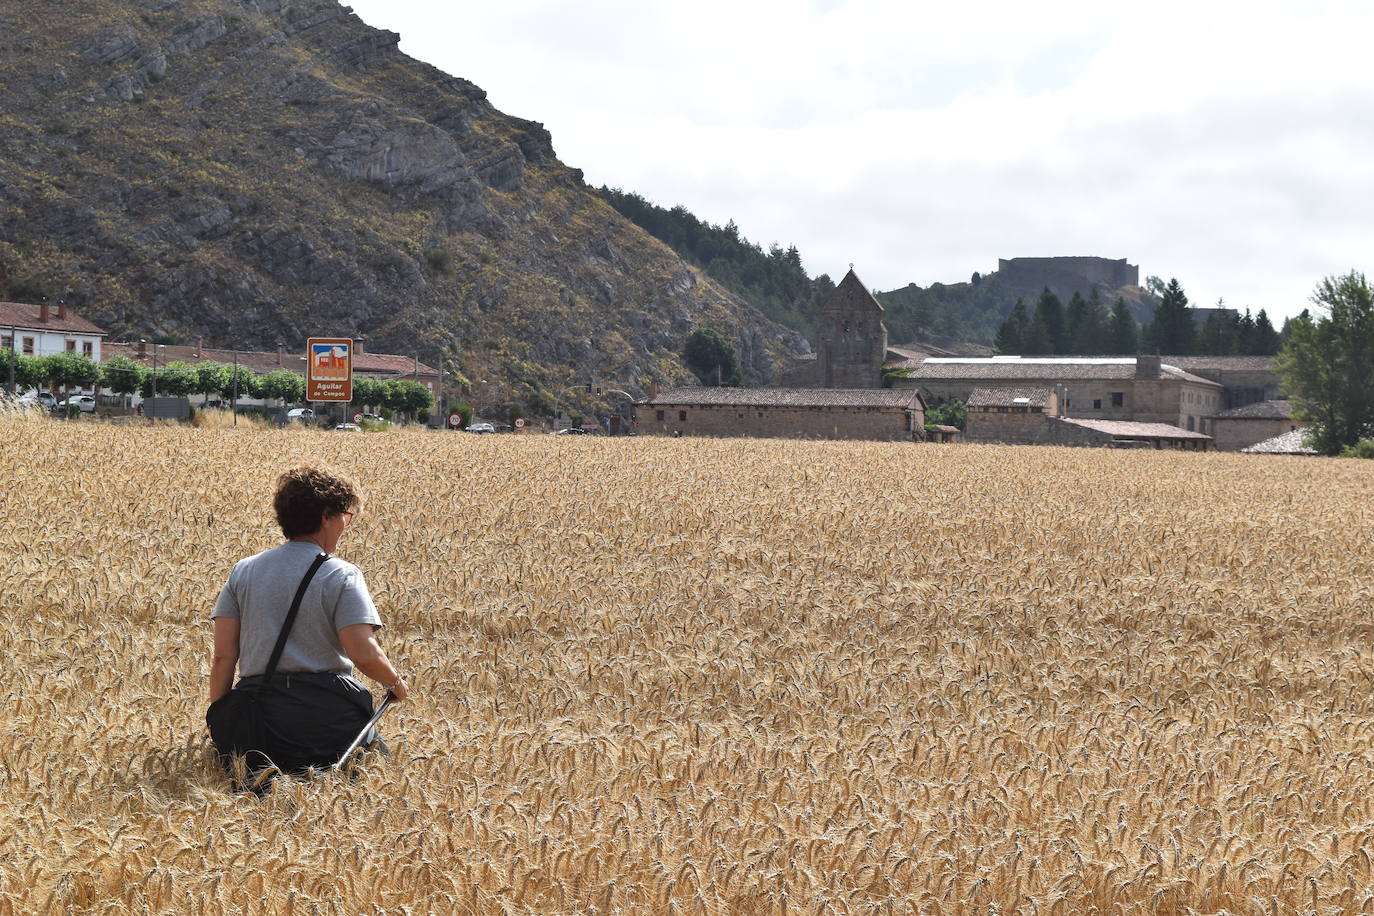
851	339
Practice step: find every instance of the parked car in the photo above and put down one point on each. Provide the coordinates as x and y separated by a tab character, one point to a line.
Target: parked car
84	402
352	427
300	415
570	431
481	428
39	399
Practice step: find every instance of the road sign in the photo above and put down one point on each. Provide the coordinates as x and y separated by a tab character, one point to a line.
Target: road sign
329	370
455	420
519	422
357	418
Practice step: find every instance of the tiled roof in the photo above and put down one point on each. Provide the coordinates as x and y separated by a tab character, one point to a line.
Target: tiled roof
1289	443
1043	368
1262	410
1241	363
787	397
1129	429
20	315
388	364
1010	397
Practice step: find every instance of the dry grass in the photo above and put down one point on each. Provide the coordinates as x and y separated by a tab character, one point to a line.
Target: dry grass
685	676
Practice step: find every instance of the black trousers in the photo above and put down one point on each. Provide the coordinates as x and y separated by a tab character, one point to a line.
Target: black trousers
309	718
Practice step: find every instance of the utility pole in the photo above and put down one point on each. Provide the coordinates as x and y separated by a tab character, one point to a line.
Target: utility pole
442	401
234	399
14	357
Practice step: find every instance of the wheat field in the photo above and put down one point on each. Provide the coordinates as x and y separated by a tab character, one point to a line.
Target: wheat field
695	676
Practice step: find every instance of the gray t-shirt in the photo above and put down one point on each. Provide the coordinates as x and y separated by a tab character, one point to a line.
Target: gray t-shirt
259	593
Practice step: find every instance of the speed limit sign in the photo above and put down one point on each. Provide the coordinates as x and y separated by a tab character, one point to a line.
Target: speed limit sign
357	418
519	422
455	420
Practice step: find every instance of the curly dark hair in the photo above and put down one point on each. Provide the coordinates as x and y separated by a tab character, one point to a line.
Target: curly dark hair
304	494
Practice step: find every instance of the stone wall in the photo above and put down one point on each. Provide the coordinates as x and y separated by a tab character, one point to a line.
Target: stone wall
1005	425
875	423
1235	433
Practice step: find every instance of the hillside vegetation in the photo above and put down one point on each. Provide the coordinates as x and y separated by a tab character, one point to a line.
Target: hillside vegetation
256	171
684	675
774	281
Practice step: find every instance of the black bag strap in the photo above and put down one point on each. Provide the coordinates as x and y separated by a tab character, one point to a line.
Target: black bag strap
290	620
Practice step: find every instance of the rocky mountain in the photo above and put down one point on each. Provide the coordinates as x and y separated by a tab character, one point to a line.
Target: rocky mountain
256	171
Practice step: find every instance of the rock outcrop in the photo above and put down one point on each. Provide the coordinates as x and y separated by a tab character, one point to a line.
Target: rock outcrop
259	170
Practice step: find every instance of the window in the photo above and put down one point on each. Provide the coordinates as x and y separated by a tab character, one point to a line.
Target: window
1190	424
846	327
87	348
658	415
28	346
6	342
1097	403
682	415
71	346
1118	399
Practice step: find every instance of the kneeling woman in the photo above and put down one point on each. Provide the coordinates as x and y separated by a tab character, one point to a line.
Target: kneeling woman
314	707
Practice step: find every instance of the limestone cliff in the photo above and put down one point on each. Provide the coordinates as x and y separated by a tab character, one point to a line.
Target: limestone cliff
255	171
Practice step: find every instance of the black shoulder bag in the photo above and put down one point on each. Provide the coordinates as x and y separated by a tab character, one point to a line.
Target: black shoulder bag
236	721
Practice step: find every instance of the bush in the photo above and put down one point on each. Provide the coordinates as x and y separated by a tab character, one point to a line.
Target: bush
439	260
1362	449
949	412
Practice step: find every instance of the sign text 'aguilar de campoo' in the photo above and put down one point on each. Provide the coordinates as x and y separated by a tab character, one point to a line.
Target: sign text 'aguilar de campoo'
329	377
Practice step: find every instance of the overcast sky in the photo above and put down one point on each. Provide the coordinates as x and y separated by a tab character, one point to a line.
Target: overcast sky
1228	144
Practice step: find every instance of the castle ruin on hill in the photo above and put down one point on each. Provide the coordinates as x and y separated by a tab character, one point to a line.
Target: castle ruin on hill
1068	273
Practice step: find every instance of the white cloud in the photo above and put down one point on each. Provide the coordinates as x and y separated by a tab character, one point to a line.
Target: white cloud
1221	143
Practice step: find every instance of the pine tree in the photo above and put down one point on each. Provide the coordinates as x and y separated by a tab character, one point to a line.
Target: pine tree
1011	336
1266	341
1217	337
1049	313
1172	331
1037	340
1124	337
1087	325
1245	334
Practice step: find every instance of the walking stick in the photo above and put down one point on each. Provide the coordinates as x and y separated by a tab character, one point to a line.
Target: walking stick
376	716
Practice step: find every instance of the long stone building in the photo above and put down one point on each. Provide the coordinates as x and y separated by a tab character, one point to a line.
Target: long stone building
883	414
1142	388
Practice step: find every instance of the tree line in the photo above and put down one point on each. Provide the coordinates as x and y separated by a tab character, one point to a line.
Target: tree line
1087	326
772	281
123	376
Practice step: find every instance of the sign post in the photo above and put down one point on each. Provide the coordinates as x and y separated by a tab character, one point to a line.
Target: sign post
329	370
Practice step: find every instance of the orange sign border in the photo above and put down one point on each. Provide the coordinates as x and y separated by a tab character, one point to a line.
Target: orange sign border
328	391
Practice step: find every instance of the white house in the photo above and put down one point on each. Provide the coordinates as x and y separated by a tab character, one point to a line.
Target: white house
41	330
